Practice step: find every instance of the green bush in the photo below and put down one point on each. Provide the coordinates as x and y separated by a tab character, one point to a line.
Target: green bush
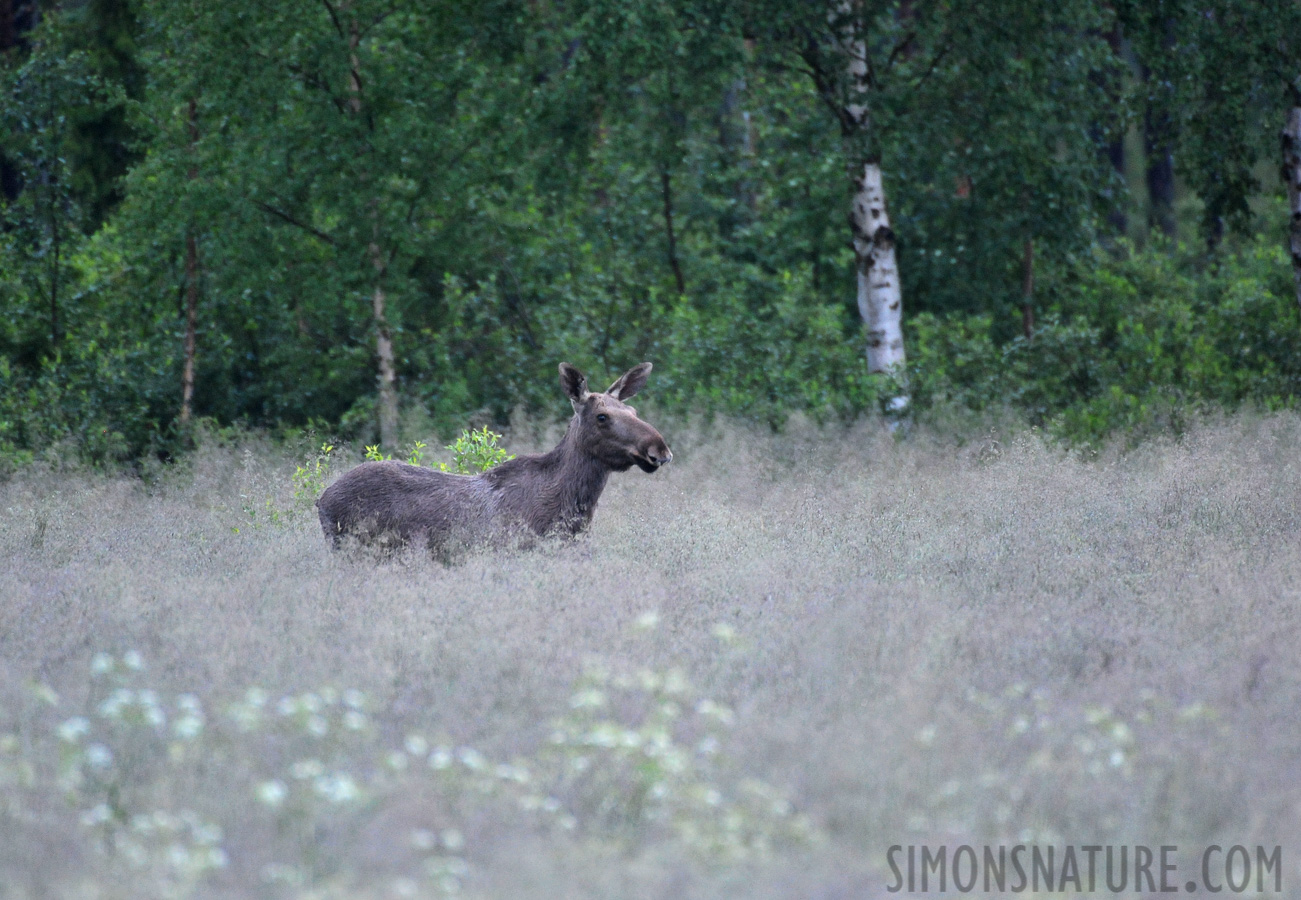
1128	344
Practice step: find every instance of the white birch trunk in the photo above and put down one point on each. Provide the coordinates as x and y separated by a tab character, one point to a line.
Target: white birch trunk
1292	175
880	297
880	294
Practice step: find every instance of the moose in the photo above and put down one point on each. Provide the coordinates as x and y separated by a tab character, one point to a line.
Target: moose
543	494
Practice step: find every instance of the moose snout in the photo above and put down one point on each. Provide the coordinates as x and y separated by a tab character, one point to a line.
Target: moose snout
659	456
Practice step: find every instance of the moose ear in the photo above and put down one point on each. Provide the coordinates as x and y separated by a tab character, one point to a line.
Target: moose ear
574	383
630	382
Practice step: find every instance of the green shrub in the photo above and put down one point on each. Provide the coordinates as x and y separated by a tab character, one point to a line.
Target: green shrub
473	452
1128	344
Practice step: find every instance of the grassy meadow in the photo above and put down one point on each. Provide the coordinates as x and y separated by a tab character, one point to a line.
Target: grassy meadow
761	668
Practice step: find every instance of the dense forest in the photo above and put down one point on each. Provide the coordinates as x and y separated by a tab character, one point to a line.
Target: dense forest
370	218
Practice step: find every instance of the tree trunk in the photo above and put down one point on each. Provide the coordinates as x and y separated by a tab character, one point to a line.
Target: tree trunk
1160	173
880	296
1027	289
1116	215
666	183
56	255
191	283
386	376
8	31
191	317
1292	175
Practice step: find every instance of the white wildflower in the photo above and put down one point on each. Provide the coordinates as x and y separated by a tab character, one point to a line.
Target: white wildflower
307	768
452	839
337	788
724	632
272	793
423	839
647	621
255	697
187	727
588	698
73	729
98	756
100	664
715	711
354	698
96	815
113	705
472	759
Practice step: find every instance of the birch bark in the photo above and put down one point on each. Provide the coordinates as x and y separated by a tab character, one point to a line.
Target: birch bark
880	296
880	293
1292	175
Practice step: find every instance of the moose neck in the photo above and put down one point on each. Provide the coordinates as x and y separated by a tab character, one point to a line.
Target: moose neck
578	477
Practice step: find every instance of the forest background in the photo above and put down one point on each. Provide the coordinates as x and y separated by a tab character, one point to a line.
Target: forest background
378	220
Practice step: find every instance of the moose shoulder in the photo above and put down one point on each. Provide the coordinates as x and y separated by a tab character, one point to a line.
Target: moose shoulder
547	493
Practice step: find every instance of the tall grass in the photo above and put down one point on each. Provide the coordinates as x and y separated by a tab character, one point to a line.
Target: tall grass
761	668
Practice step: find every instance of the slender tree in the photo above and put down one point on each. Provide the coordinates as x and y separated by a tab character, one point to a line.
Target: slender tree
386	377
1235	83
191	277
841	64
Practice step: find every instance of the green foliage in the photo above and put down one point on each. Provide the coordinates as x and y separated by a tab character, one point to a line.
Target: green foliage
604	184
1132	344
311	476
1227	75
474	452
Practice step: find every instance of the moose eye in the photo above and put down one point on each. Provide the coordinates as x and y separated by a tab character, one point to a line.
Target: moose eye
602	417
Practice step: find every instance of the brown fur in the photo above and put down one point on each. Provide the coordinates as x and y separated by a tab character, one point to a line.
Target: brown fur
547	493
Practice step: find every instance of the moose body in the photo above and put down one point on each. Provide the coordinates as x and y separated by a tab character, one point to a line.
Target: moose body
542	494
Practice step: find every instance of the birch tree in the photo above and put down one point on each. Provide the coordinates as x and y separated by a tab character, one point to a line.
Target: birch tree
847	56
928	80
1292	176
